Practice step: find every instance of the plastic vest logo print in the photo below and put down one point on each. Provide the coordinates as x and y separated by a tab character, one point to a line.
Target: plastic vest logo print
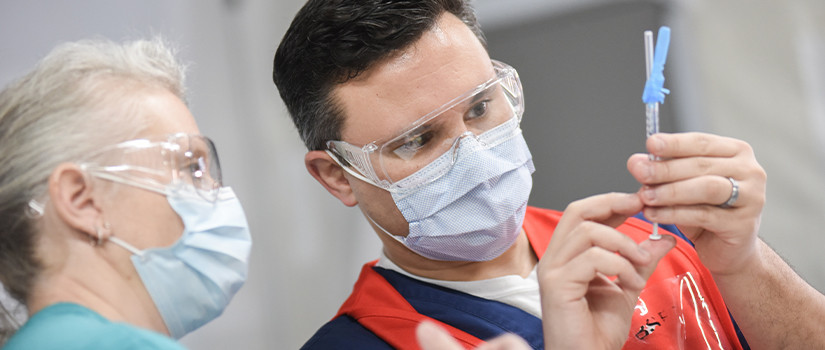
673	314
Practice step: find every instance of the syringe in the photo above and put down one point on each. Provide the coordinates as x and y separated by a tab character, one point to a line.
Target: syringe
654	92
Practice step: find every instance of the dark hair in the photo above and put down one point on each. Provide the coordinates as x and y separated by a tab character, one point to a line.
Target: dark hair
332	41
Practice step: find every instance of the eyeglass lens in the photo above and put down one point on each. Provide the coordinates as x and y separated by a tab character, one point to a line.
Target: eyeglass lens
420	146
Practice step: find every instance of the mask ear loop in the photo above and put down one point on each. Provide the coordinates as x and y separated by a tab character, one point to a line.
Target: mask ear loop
126	246
101	238
400	239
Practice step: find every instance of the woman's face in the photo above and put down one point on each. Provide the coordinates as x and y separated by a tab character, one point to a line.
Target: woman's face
140	217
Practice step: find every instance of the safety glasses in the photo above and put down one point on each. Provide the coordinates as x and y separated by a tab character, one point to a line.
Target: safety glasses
491	112
161	164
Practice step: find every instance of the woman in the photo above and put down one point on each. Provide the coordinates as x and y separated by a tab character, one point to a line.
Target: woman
115	231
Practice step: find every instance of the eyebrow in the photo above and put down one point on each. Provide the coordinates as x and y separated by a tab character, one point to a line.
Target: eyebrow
198	150
482	94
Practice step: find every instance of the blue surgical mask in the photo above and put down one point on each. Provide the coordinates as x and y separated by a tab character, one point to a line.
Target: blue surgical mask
475	211
192	281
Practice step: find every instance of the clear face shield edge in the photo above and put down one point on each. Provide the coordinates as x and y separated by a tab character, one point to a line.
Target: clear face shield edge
490	113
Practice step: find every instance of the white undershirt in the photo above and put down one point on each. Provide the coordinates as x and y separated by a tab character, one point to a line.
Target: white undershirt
512	290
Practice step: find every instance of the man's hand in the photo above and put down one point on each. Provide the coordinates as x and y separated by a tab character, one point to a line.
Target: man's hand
591	275
590	278
688	186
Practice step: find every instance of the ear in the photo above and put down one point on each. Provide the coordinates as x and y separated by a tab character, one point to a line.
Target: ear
324	169
71	195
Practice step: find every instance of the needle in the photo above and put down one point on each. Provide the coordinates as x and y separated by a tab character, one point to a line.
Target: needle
654	92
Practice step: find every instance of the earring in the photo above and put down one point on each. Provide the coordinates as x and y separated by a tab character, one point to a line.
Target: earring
35	209
99	232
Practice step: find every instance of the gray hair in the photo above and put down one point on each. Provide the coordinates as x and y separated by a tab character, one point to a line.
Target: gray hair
80	97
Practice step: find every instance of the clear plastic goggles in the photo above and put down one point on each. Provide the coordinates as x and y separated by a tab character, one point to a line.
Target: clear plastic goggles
161	164
496	104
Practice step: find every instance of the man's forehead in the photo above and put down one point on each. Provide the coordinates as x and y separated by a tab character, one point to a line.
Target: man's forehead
391	105
444	63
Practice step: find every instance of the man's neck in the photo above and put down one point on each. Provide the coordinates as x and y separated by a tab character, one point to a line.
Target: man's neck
518	260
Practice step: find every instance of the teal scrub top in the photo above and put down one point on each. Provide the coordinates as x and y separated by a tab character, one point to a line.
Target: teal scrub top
71	326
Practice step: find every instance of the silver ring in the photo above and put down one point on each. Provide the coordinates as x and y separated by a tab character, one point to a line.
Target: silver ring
734	194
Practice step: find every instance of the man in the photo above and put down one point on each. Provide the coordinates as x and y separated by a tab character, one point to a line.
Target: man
405	115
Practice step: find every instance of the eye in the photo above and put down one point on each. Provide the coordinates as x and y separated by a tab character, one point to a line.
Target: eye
412	145
197	167
478	110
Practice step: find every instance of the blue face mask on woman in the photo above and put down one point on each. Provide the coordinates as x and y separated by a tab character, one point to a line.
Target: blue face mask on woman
192	281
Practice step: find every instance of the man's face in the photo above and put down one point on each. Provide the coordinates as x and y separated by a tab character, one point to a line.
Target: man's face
444	63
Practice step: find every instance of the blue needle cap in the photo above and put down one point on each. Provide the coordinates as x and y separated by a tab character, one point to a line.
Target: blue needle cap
654	87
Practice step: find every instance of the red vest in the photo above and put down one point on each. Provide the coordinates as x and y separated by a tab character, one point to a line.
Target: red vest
670	312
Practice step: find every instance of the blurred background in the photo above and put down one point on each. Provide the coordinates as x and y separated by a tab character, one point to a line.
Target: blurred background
750	69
